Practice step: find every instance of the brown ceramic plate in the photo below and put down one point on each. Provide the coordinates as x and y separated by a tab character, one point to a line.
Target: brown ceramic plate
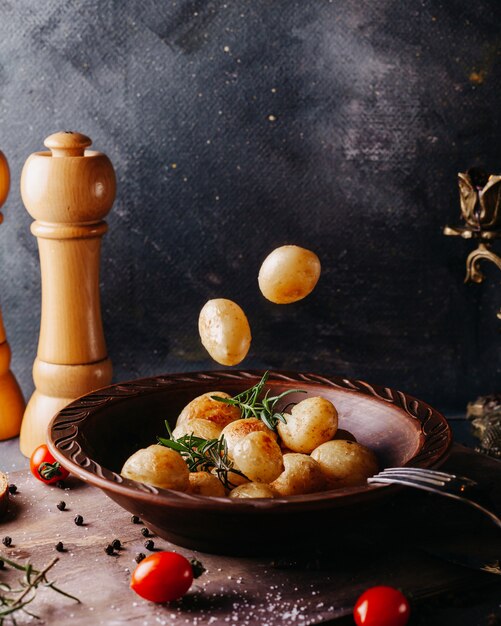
94	435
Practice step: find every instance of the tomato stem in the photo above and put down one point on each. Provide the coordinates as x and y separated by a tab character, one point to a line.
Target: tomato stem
49	470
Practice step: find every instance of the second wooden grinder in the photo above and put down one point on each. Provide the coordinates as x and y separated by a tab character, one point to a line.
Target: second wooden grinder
68	191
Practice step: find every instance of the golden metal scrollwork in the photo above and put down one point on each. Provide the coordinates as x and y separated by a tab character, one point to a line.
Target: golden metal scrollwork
482	253
480	199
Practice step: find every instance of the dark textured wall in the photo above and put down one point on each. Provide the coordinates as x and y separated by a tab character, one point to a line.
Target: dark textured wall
237	126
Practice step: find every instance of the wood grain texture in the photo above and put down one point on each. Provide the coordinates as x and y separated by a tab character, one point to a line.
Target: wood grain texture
318	586
68	191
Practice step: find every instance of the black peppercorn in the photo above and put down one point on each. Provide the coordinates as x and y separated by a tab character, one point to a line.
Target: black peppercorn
78	520
145	532
139	557
60	546
61	505
60	484
12	488
149	544
109	550
116	544
197	567
135	519
7	541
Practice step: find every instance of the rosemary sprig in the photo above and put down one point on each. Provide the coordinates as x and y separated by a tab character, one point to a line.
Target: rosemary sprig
263	409
203	455
16	600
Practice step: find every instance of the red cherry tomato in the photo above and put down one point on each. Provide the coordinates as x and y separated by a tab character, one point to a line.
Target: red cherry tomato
162	577
45	467
381	606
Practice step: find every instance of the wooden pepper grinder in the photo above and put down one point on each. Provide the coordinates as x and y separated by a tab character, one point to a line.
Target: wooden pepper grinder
68	191
11	398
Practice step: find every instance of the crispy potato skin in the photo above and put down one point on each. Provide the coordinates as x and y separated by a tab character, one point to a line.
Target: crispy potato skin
204	407
252	490
198	427
224	331
205	484
289	274
301	475
237	430
259	457
311	422
308	454
205	417
345	463
158	466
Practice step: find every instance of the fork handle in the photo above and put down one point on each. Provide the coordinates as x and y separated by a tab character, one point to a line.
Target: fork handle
442	490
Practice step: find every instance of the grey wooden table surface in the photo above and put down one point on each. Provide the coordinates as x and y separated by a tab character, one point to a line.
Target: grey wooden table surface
483	610
11	458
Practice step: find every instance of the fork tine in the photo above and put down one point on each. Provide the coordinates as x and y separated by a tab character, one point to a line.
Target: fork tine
420	470
450	486
408	479
426	473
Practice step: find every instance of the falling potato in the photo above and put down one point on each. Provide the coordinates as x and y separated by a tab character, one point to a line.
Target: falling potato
289	274
224	331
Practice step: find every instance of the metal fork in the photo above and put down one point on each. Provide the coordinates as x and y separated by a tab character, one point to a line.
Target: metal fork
458	487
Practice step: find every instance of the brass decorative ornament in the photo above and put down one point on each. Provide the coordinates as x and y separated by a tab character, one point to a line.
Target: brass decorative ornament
480	199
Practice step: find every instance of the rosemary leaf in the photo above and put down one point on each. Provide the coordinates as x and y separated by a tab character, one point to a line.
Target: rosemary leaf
203	455
263	409
13	602
52	586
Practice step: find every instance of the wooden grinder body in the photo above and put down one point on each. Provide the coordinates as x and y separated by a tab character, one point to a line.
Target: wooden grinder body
68	192
11	398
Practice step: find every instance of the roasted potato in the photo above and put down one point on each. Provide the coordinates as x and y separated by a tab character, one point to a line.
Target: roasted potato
236	479
205	484
289	274
198	427
158	466
204	407
205	417
252	490
302	474
259	457
237	430
310	423
345	463
224	331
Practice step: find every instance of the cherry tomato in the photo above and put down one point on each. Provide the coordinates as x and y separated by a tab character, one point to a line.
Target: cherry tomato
162	577
45	467
381	606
